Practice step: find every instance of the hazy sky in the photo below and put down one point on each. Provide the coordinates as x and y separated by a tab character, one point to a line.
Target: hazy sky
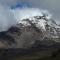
51	5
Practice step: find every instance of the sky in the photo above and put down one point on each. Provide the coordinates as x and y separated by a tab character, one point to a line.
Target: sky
6	16
51	5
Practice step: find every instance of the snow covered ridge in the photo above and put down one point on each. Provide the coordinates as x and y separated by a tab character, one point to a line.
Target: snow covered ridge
40	21
47	26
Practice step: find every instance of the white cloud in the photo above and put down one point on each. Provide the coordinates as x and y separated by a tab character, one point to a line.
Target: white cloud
10	17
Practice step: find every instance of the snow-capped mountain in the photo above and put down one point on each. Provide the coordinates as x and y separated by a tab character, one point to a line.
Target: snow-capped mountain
31	25
29	30
47	25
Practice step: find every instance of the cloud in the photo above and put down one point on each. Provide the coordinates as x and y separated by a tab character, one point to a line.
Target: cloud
6	16
51	5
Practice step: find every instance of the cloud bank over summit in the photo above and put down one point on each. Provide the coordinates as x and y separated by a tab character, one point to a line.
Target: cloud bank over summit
24	13
13	11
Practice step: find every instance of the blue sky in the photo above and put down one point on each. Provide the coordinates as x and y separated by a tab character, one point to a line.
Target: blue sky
21	5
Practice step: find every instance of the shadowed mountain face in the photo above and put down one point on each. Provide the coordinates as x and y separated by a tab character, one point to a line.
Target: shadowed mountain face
8	38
